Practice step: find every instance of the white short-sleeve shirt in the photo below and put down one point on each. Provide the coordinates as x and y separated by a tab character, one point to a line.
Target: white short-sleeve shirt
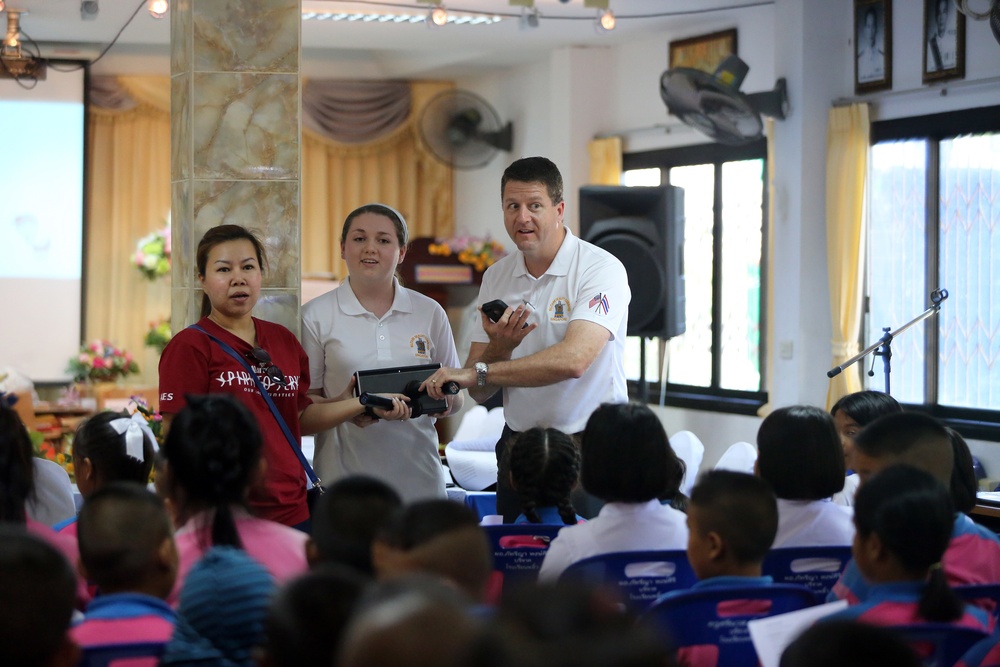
341	337
813	523
583	282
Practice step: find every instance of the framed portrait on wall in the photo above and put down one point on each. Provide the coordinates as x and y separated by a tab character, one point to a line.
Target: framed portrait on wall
872	45
704	52
944	41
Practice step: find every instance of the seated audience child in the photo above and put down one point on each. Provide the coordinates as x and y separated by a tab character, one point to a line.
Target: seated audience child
220	620
438	537
308	616
347	517
973	555
37	594
17	485
627	462
850	414
110	447
412	620
904	519
843	643
213	457
544	465
567	625
127	550
799	454
732	519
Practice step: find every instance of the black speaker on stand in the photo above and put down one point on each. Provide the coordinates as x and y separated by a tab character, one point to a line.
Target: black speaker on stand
644	228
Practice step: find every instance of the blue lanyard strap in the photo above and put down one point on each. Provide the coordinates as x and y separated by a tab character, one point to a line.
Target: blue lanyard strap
310	473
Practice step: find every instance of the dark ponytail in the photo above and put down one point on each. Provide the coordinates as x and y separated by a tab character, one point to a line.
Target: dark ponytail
212	450
96	440
912	513
17	471
544	467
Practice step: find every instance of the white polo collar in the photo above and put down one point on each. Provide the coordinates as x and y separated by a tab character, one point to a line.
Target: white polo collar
349	304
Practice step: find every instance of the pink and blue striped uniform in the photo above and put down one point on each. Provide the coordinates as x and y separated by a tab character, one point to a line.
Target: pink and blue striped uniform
973	557
896	604
124	618
984	654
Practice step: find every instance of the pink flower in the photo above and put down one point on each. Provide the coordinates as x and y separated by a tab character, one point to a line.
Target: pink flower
99	362
96	346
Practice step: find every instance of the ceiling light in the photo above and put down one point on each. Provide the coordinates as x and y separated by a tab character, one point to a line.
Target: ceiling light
158	8
437	17
12	40
605	20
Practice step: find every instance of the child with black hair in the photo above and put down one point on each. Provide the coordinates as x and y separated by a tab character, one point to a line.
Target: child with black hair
544	465
36	603
307	617
127	549
732	519
627	462
438	537
800	456
850	414
110	447
840	643
347	518
213	458
963	485
904	519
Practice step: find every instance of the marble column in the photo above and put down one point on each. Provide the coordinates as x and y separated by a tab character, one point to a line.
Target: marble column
235	142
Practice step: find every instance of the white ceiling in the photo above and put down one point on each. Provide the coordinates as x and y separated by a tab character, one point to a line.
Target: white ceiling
387	50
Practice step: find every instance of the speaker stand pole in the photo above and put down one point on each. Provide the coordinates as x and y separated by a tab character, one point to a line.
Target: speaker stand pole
643	386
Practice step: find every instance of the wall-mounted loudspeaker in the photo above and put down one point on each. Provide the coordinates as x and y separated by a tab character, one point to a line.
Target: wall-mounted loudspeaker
644	228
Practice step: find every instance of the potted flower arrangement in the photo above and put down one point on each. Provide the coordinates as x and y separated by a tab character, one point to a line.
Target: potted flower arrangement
479	253
159	335
152	254
101	361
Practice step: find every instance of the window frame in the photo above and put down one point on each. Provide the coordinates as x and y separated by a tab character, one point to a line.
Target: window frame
974	423
713	398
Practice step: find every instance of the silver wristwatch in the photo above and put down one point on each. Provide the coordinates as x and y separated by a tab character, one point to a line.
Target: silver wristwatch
481	369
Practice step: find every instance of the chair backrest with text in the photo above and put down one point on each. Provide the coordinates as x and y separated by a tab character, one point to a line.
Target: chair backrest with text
817	568
519	549
939	644
709	625
637	577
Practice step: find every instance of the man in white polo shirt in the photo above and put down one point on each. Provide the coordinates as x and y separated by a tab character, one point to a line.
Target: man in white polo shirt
558	350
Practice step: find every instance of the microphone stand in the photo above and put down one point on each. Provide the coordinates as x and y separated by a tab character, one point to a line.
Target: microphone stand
883	348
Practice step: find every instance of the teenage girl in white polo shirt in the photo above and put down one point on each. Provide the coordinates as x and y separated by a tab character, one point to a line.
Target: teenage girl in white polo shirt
371	321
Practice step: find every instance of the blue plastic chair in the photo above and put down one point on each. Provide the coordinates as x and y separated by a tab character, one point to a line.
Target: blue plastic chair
518	550
718	617
638	577
939	644
483	502
133	655
986	596
817	568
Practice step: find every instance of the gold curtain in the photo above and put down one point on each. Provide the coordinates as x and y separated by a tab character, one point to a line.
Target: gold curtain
846	173
605	161
128	171
395	170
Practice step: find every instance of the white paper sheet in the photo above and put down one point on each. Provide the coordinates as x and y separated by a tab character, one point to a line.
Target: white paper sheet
771	635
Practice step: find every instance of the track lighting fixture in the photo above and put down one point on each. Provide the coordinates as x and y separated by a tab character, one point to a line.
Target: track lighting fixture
437	16
605	20
529	18
158	8
89	9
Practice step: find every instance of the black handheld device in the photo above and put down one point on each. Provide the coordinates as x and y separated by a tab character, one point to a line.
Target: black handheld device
494	309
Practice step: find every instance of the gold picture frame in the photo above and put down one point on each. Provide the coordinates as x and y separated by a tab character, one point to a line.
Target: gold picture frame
944	41
703	52
872	45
